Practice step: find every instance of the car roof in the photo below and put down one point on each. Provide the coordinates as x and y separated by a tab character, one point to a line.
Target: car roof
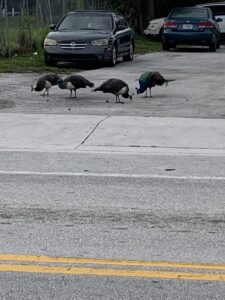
212	4
196	6
191	7
92	11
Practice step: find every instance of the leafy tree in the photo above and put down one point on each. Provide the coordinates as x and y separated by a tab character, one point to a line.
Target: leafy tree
132	10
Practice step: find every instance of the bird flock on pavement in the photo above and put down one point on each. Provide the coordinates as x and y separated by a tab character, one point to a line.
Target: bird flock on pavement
114	86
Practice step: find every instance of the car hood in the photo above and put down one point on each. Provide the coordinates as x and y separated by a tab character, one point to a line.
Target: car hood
81	35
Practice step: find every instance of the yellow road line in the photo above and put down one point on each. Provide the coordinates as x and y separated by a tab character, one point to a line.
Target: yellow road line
111	272
115	262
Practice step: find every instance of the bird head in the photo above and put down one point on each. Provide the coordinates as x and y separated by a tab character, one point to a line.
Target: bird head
60	82
140	90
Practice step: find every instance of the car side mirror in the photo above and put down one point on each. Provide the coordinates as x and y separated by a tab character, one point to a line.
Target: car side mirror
52	26
121	27
219	20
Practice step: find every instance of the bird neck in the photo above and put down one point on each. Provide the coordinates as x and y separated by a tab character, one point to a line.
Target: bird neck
141	89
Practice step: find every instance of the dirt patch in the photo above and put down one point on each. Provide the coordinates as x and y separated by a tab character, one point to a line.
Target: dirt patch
6	104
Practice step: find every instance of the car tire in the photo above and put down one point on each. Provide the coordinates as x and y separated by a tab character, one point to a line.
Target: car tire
130	56
213	46
165	46
50	63
218	45
160	35
113	60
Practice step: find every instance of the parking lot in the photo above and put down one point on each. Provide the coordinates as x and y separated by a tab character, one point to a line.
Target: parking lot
197	92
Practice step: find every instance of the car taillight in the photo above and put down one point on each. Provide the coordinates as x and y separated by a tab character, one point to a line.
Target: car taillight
205	24
170	24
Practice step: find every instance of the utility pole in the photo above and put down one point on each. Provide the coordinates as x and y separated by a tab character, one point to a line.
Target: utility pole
63	7
7	39
50	11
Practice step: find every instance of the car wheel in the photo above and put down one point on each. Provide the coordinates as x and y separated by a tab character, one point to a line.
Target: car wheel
114	57
212	47
130	56
50	63
160	35
218	45
165	46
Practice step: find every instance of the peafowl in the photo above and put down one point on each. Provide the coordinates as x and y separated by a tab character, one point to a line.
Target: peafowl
73	83
116	87
148	80
45	82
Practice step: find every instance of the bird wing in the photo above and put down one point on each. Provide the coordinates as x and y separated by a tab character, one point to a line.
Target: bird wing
157	78
79	81
146	80
53	78
40	84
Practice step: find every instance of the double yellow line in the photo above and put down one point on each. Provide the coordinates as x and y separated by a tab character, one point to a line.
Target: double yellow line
112	267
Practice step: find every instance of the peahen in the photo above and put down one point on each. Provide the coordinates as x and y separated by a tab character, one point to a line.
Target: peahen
116	87
73	83
148	80
45	82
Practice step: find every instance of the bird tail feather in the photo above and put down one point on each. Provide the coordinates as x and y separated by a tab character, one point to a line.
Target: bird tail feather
32	85
168	80
96	89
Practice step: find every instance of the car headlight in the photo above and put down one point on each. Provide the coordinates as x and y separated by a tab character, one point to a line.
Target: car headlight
102	42
49	42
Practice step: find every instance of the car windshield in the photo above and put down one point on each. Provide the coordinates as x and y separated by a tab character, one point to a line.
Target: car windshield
81	21
183	12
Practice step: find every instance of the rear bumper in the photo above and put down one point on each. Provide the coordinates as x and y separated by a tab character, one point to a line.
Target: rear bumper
188	38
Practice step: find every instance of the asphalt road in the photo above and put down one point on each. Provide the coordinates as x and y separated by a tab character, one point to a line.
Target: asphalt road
148	225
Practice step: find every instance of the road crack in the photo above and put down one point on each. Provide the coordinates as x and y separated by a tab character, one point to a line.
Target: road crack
92	131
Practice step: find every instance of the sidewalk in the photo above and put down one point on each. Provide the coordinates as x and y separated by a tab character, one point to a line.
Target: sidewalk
38	132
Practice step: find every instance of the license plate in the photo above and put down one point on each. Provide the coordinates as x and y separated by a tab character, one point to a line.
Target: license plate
187	26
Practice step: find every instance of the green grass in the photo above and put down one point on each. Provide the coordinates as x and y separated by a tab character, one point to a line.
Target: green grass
6	104
35	63
145	45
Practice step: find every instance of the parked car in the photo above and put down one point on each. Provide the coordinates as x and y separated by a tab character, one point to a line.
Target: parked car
191	26
218	9
89	36
155	28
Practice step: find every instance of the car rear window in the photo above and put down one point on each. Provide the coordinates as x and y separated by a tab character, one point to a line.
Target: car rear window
183	12
85	22
218	10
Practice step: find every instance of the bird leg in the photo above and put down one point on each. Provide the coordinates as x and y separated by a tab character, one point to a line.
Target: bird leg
146	93
75	93
118	100
70	94
46	90
150	92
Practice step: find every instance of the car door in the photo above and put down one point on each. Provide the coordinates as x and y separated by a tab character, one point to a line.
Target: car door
123	36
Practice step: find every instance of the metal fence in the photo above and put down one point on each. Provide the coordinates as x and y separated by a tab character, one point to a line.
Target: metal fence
23	22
